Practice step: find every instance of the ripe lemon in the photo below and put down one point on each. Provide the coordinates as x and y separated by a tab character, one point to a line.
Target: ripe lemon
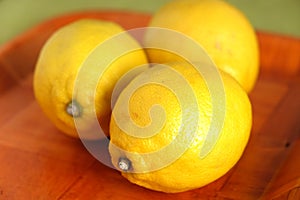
144	158
60	61
223	31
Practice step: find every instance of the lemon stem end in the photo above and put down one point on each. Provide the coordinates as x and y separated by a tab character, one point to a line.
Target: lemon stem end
74	109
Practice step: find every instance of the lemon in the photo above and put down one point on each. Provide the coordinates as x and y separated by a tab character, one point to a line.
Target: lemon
60	62
221	29
144	156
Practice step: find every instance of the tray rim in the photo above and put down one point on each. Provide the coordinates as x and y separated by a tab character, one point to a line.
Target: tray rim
54	23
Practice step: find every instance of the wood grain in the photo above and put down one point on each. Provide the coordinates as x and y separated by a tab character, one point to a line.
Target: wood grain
39	162
280	55
273	141
287	180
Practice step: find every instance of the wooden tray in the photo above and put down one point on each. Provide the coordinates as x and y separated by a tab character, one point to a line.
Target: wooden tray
38	162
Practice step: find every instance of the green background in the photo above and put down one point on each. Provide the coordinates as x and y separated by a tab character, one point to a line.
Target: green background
16	16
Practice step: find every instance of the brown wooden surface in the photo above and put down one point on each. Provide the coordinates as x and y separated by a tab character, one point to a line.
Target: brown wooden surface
39	162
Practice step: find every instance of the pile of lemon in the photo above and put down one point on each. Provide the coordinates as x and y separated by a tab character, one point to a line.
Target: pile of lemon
172	128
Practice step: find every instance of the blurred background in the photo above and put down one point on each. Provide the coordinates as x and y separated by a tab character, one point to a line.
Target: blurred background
17	16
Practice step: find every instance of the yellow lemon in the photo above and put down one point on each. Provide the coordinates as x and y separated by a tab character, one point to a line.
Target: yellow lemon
223	31
60	62
159	129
